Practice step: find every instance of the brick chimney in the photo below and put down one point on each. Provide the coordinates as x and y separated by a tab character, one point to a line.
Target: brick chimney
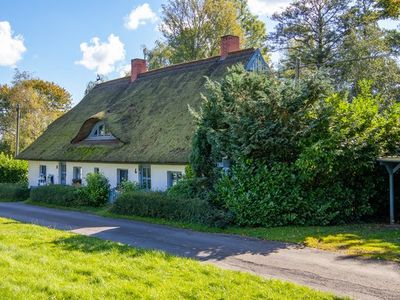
229	43
138	66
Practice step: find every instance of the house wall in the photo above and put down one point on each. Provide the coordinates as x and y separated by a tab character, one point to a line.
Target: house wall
159	178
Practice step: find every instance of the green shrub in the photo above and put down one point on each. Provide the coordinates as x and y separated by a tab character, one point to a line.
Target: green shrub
12	170
97	189
62	195
14	192
128	186
160	205
190	188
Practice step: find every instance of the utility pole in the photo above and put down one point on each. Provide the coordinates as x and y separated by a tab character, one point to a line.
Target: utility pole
17	135
298	62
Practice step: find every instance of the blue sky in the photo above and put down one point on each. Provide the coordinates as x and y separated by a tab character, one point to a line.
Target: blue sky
68	42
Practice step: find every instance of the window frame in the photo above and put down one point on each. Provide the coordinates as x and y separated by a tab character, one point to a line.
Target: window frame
74	173
173	177
119	180
43	174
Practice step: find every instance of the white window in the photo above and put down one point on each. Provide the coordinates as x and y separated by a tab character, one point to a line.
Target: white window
100	132
122	175
145	177
77	173
173	177
42	171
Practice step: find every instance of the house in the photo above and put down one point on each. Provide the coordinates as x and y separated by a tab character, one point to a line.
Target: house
136	128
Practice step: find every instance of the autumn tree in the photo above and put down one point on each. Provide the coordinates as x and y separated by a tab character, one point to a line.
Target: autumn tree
40	101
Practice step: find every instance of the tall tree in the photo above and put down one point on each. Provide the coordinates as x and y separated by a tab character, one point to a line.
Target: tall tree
41	102
311	30
192	29
368	52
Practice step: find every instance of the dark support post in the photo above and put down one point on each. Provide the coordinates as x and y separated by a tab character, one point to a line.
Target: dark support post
17	133
391	188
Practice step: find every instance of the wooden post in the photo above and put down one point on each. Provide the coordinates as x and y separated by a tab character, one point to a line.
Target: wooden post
17	133
391	193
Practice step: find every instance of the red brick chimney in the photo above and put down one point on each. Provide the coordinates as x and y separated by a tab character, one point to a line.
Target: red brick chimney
138	66
229	43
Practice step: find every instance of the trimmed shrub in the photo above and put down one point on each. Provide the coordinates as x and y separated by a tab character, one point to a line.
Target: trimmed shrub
97	190
12	170
160	205
13	192
63	195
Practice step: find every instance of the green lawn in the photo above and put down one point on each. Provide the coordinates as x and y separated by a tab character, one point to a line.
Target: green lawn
364	240
42	263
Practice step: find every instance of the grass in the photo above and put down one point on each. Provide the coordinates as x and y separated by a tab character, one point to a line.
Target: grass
371	241
41	263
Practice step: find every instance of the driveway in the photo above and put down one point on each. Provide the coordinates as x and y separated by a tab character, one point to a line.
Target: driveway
318	269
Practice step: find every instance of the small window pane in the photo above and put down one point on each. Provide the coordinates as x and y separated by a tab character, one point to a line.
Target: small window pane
96	170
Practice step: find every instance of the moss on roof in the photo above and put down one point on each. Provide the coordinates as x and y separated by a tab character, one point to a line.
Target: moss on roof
149	116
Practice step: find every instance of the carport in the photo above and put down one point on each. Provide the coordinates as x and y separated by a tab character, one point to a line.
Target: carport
392	165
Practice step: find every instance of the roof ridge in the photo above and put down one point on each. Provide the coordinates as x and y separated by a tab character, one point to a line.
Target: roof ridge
179	65
194	62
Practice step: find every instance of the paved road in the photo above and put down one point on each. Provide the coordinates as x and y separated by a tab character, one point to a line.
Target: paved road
318	269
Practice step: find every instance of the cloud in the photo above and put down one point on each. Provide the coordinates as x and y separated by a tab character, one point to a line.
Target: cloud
102	57
124	70
11	47
267	7
140	16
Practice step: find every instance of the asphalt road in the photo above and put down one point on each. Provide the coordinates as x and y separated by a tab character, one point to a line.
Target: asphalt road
342	275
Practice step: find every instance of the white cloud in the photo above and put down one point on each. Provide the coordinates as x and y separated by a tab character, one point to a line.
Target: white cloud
102	56
267	7
11	47
124	70
140	16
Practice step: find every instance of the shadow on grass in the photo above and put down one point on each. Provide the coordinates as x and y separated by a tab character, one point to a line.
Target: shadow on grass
179	242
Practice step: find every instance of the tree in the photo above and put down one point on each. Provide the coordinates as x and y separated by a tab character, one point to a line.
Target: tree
91	84
41	102
311	30
192	29
368	52
390	8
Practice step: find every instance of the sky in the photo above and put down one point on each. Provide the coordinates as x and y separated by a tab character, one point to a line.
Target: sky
69	42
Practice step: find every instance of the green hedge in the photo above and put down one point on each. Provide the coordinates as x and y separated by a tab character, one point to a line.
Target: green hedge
13	192
63	195
160	205
12	170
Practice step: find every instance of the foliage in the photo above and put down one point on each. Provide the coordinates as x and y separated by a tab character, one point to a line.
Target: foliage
192	29
344	38
80	267
311	30
190	188
128	186
290	146
41	102
12	170
62	195
97	189
91	84
14	191
161	205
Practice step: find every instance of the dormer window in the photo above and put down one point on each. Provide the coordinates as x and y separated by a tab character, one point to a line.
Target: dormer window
100	132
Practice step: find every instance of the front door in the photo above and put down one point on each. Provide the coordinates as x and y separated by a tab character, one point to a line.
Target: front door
62	168
145	177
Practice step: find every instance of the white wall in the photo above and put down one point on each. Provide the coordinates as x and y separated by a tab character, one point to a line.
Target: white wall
159	178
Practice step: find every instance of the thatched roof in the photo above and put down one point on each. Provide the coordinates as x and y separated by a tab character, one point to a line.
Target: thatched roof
149	117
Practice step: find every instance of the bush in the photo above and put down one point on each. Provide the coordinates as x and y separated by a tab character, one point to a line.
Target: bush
14	192
12	170
160	205
128	186
97	190
62	195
